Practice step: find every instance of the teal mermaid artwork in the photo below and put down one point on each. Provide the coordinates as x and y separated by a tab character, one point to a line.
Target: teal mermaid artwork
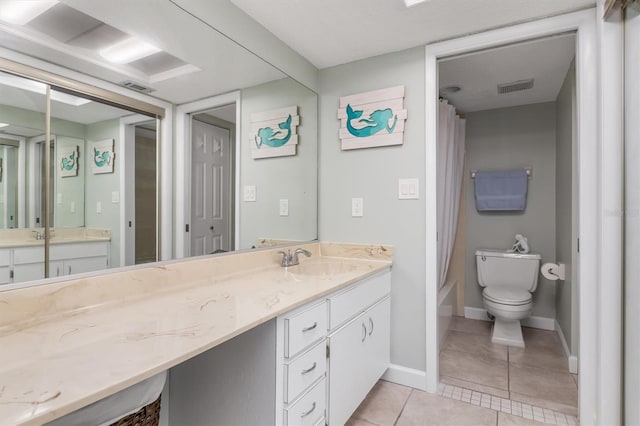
101	158
69	163
376	122
274	138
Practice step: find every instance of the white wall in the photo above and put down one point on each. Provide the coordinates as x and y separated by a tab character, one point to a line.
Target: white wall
373	175
510	138
566	211
292	177
632	241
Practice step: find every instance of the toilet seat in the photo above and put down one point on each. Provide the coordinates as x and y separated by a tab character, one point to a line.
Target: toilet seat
506	295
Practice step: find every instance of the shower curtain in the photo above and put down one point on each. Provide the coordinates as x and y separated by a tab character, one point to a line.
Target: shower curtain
450	153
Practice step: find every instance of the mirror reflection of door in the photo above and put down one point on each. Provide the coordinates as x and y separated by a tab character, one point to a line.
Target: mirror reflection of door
212	181
8	184
145	193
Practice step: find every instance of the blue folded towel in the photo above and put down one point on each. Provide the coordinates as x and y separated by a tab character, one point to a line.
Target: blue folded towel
501	191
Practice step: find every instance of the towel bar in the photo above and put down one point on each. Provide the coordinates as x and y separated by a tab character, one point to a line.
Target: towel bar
528	169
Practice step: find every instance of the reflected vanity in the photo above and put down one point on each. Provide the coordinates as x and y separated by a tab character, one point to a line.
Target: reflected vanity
100	183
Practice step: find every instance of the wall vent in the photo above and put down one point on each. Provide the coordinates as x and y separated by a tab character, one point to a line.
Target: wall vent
137	86
515	86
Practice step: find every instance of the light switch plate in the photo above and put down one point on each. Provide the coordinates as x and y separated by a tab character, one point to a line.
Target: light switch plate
99	207
59	198
284	207
249	193
115	197
72	207
357	207
408	189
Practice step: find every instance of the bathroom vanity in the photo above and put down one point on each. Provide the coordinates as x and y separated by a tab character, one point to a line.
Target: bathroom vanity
304	344
73	251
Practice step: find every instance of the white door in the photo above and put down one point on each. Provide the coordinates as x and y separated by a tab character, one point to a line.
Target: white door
210	188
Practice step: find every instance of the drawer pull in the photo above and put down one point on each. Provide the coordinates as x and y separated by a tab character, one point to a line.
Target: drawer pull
309	370
371	324
364	332
311	327
303	415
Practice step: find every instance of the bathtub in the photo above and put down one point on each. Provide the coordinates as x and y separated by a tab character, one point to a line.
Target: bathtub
446	303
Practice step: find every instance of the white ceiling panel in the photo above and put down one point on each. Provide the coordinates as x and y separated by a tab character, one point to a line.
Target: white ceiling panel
546	61
332	32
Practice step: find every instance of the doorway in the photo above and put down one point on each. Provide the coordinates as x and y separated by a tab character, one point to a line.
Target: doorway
592	361
212	180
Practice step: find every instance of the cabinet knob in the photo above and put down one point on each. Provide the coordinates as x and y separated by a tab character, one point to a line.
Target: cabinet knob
364	332
371	324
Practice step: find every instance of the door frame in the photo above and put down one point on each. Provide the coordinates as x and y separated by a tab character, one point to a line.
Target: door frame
183	167
594	405
126	162
22	177
35	185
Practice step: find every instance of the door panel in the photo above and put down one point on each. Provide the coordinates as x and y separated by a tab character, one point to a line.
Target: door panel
210	189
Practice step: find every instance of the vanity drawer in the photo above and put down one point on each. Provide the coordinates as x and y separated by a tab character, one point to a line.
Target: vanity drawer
349	303
28	255
79	250
305	370
304	328
5	257
308	410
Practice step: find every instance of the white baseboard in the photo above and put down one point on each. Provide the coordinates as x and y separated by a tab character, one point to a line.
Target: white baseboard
405	376
572	360
542	323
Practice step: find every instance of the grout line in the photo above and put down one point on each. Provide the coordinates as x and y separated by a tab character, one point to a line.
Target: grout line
403	407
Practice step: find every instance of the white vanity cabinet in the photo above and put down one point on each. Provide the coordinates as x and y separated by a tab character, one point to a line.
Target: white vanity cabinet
340	345
5	266
27	263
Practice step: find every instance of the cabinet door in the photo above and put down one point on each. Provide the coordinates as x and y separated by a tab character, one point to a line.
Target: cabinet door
358	356
28	272
88	264
56	268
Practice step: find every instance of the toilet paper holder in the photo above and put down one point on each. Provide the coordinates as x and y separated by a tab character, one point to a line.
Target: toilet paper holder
554	271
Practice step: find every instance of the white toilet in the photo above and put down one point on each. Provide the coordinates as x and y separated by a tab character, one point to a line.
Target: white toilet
509	279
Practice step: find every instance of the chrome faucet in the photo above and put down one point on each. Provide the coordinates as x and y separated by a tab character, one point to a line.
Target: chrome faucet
291	259
39	235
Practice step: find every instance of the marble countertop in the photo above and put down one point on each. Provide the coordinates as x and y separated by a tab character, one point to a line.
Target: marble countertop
13	238
59	357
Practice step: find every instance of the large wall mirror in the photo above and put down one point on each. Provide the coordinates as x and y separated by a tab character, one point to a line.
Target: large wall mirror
99	189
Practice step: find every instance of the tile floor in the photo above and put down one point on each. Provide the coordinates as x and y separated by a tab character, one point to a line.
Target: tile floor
482	384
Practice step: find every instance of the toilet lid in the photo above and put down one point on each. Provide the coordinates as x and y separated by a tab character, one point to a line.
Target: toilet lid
507	295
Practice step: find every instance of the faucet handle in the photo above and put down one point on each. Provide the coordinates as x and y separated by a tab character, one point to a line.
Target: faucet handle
286	258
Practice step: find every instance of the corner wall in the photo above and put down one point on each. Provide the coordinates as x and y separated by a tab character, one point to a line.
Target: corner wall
373	175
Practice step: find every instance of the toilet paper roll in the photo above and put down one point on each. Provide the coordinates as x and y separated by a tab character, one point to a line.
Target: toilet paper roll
553	271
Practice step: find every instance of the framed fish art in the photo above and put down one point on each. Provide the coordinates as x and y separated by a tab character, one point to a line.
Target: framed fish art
68	161
372	119
274	133
102	156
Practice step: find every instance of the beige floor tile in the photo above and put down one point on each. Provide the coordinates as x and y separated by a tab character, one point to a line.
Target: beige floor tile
545	403
541	357
474	368
383	404
474	344
543	384
358	422
505	419
424	409
502	393
536	338
471	326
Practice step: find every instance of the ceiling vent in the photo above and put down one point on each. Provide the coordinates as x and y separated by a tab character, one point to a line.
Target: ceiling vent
136	86
515	86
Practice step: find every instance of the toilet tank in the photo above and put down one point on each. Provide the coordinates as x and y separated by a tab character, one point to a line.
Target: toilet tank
497	267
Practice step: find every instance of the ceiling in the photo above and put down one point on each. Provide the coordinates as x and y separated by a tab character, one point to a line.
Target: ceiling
332	32
546	61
